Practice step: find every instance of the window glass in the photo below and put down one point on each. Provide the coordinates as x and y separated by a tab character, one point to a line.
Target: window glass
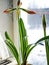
33	24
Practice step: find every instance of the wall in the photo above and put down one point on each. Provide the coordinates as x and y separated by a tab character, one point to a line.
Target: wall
15	26
6	23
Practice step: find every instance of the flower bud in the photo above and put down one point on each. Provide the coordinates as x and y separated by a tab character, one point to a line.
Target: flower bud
44	22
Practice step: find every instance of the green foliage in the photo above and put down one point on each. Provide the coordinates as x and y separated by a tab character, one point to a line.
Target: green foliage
12	47
8	37
25	47
23	38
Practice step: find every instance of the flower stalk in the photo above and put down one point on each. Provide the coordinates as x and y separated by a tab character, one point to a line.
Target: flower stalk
46	42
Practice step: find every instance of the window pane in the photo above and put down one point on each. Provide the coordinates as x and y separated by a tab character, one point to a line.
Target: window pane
36	3
33	24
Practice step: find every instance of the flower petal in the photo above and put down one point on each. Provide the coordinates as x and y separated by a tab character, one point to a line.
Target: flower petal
28	11
31	12
6	11
9	10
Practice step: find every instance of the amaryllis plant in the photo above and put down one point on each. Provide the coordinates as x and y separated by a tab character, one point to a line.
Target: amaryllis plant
25	48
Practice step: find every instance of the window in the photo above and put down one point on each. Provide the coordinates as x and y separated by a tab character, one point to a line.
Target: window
33	24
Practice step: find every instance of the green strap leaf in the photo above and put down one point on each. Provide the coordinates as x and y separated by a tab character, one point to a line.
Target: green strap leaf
43	38
8	37
23	37
13	49
32	47
29	50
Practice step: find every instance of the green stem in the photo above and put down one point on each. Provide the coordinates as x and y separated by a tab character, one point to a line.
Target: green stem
46	46
19	61
18	14
46	42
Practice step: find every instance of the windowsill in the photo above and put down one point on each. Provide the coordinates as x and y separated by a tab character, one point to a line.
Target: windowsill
13	62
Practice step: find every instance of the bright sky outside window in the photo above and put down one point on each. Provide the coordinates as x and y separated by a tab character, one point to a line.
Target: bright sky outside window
36	3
